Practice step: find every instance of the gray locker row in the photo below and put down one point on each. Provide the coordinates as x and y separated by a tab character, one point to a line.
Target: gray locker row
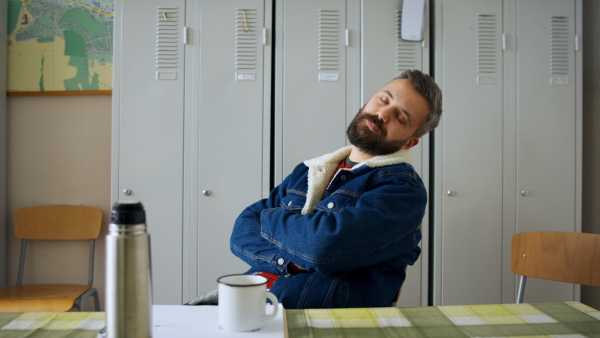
216	101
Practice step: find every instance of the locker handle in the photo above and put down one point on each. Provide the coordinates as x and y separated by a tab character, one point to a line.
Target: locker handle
347	38
264	36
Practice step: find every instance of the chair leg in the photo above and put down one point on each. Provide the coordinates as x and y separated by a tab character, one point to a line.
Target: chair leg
91	292
521	290
96	301
82	303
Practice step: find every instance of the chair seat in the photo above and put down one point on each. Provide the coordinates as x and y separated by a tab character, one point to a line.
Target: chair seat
40	297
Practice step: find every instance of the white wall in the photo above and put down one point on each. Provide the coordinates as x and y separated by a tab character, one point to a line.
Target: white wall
3	226
58	153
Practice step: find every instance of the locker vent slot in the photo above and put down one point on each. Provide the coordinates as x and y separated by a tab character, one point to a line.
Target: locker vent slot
329	39
246	38
487	31
167	37
559	45
406	51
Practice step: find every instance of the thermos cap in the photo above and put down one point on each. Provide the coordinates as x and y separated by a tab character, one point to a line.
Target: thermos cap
128	213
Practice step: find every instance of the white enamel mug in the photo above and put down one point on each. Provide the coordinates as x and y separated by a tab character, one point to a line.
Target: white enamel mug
242	302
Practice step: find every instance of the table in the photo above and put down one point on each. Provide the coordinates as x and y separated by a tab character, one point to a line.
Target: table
170	321
570	319
508	320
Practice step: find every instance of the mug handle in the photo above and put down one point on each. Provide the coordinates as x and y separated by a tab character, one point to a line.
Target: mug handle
275	301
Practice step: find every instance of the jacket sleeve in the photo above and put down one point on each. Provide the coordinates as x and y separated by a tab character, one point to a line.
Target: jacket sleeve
382	224
247	243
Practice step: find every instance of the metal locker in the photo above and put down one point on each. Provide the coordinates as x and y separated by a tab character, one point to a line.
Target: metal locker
147	127
384	56
546	119
311	83
469	148
229	96
508	154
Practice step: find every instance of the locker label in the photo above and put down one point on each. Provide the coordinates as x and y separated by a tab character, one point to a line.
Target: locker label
559	81
329	77
245	77
486	80
166	75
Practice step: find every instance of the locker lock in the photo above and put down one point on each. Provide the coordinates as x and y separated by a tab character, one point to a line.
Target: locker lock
127	192
206	192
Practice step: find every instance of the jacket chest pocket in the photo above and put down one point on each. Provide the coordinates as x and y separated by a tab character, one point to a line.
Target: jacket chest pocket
338	200
293	200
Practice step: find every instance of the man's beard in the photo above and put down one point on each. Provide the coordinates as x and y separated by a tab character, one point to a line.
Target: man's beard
370	142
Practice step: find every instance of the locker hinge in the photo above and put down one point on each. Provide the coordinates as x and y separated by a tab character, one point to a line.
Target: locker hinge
185	35
576	42
264	36
347	37
503	41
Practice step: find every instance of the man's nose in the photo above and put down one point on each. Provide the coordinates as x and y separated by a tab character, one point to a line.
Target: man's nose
384	114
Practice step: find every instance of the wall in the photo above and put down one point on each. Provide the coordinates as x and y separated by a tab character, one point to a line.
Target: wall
3	75
58	153
591	136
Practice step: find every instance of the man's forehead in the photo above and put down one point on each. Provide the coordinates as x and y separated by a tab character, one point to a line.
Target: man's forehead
398	83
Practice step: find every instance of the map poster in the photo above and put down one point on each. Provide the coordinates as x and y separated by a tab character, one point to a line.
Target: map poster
60	45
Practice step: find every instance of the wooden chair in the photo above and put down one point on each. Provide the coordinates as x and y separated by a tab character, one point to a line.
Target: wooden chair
59	222
570	257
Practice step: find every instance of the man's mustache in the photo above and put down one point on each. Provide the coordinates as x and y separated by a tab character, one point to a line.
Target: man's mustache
375	120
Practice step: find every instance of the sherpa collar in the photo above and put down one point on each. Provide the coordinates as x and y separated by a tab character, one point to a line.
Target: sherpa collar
322	168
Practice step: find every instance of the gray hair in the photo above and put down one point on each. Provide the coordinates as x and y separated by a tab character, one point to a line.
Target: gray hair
427	87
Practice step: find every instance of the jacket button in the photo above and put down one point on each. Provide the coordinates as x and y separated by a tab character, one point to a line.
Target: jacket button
343	177
330	205
280	261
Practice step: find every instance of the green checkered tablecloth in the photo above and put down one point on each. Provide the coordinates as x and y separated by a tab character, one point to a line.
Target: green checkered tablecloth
502	320
51	324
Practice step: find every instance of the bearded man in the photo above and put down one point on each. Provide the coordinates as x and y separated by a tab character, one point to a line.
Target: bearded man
340	230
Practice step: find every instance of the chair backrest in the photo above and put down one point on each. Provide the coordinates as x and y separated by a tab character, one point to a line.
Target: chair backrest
58	222
570	257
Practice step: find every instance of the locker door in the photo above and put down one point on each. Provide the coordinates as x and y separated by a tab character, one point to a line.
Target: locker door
311	87
468	229
384	56
148	128
233	114
546	131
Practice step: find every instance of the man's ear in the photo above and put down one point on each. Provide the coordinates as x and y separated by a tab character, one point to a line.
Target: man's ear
411	143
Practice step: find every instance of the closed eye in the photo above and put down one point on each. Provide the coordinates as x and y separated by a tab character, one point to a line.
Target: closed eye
404	117
387	96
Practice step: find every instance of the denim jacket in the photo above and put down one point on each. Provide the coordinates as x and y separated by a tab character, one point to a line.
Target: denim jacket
354	234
